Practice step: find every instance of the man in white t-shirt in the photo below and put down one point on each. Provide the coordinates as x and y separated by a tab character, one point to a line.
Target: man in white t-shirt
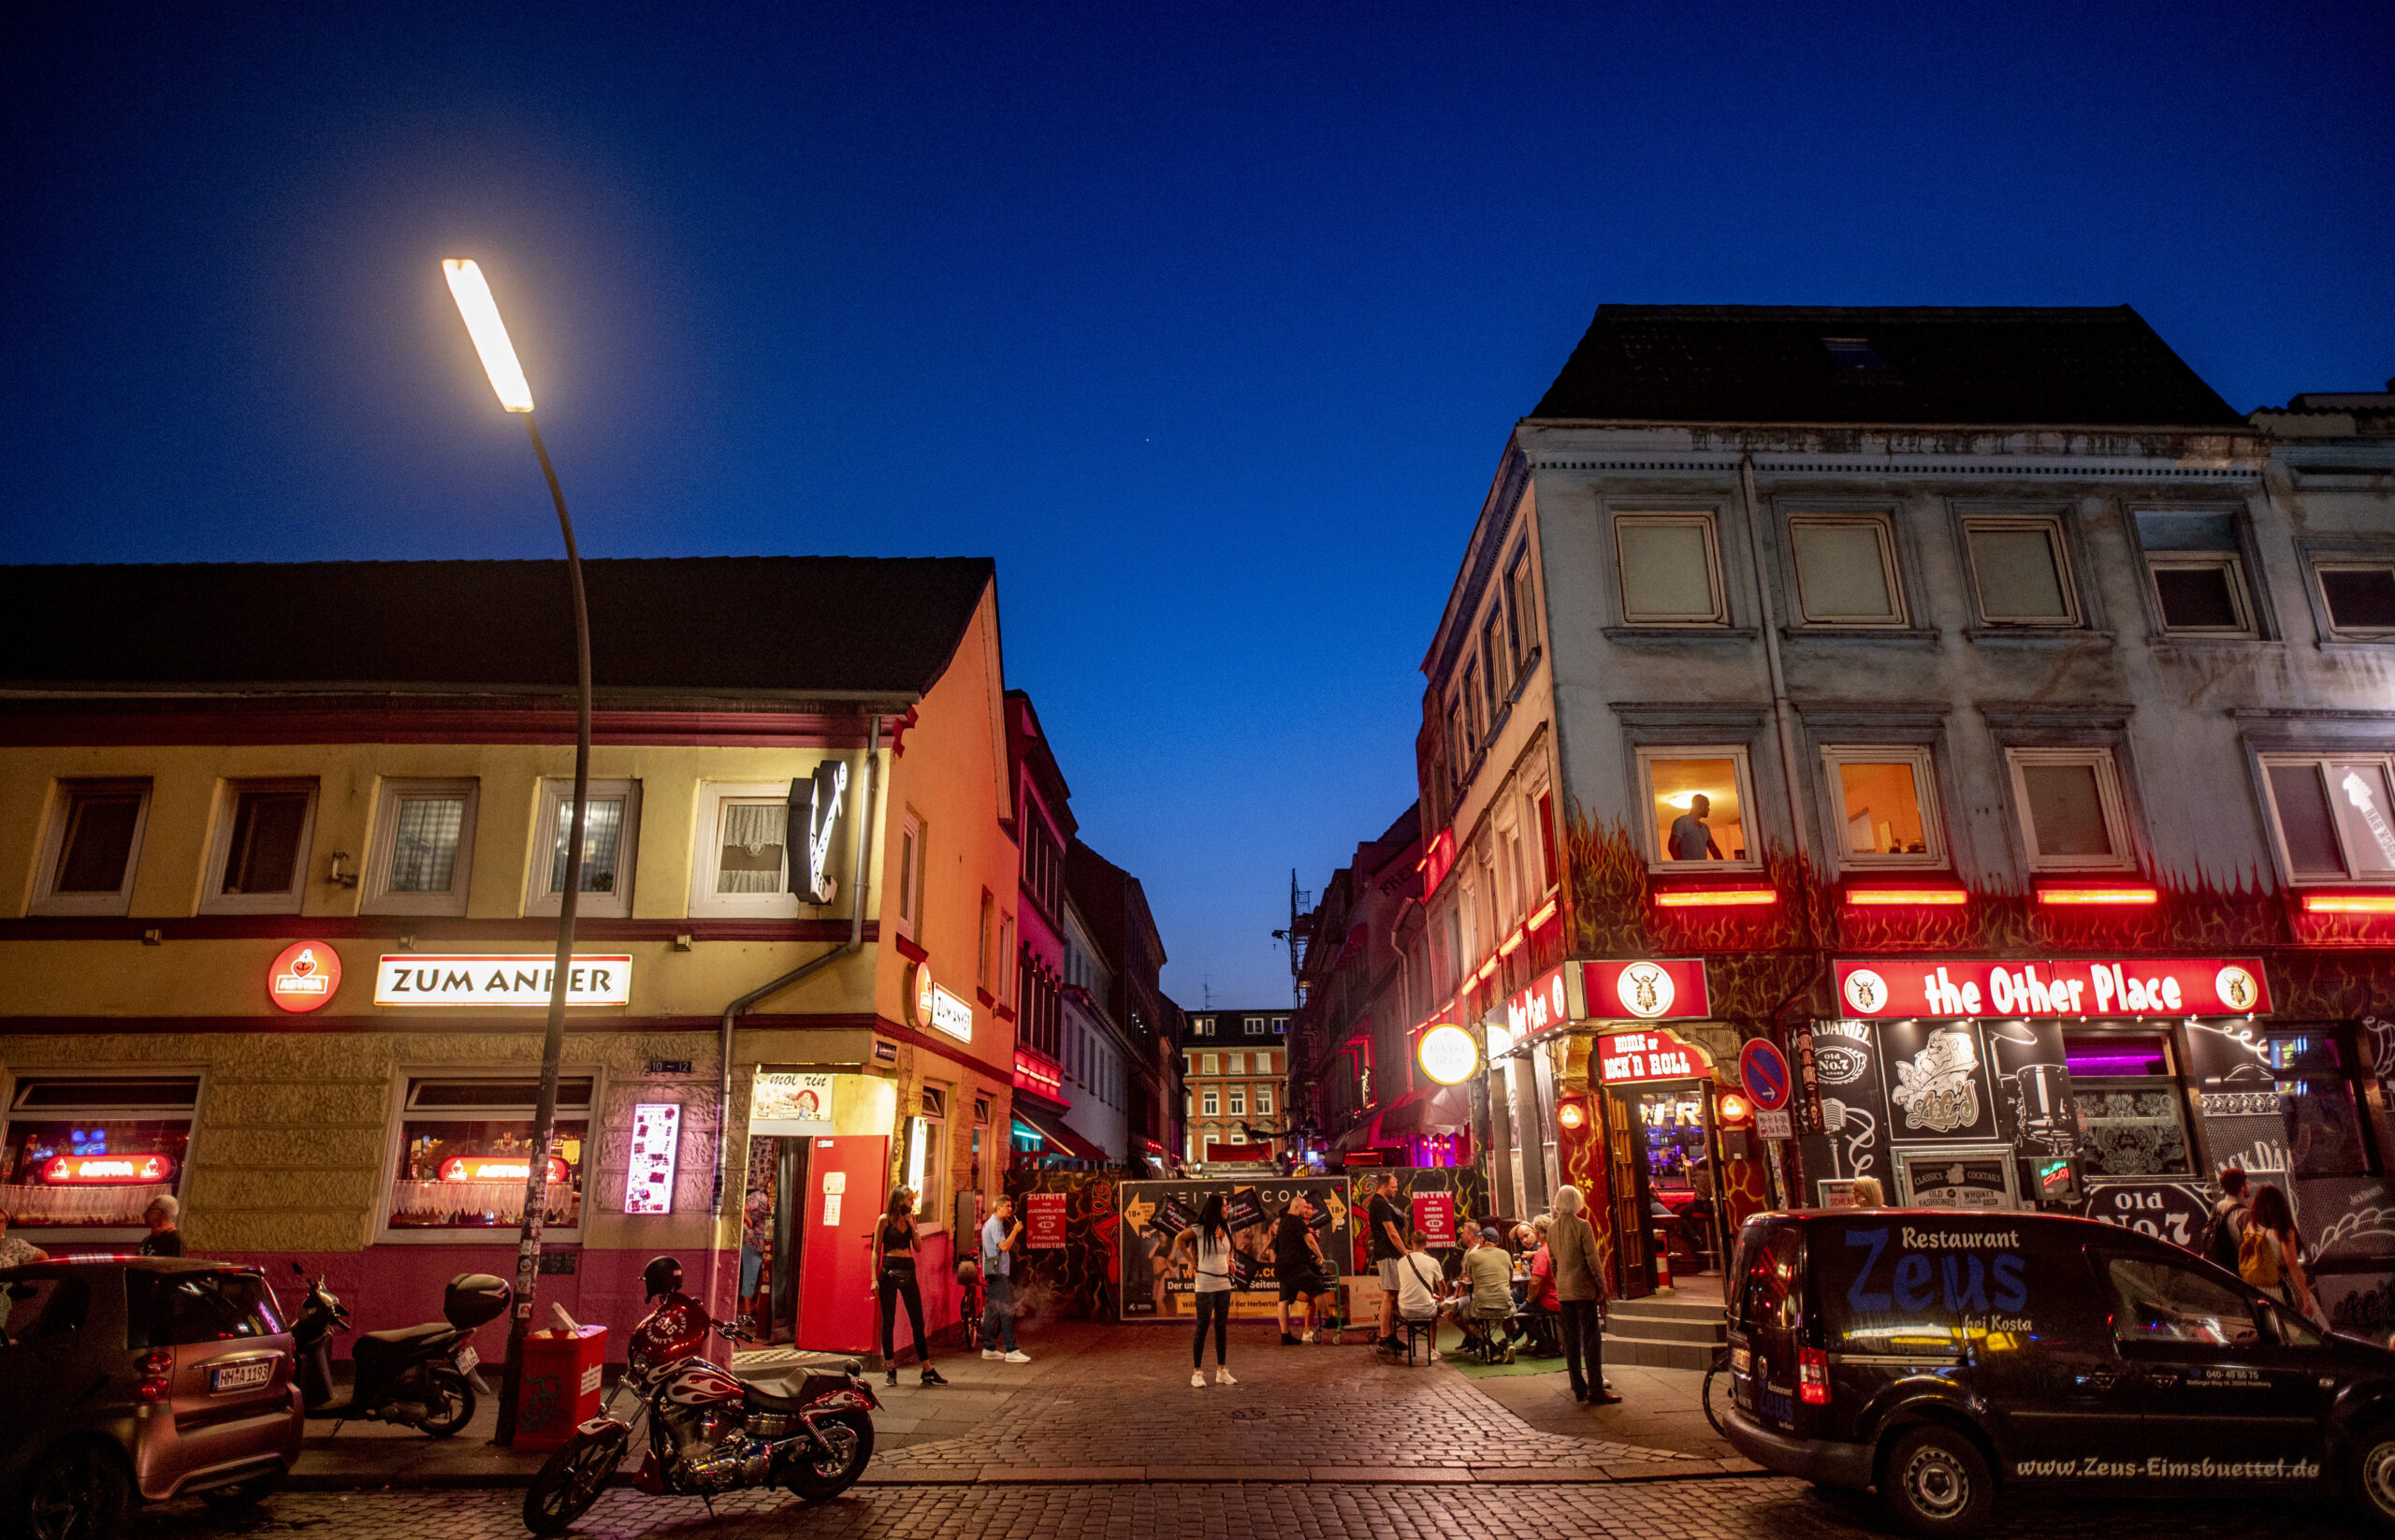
1419	1278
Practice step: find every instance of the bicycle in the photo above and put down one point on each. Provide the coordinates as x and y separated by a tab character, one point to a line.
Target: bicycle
1716	1405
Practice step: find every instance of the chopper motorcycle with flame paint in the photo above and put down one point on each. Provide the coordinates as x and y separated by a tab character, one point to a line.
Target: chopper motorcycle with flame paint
708	1432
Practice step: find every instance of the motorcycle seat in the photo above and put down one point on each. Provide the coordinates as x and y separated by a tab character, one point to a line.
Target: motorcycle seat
402	1341
791	1392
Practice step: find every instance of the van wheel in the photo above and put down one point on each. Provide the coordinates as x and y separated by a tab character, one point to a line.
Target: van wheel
1936	1483
2370	1478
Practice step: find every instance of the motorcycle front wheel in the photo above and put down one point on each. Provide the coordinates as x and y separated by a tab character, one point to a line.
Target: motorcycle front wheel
570	1481
449	1405
820	1475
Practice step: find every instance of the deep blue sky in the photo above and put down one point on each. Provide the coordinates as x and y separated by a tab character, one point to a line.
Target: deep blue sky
1208	324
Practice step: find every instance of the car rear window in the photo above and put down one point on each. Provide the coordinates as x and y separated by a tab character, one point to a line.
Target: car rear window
179	1308
1770	1265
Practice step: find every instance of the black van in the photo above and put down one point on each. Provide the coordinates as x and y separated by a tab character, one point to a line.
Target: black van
1939	1353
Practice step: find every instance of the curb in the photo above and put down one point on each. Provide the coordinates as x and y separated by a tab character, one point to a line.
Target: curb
1154	1475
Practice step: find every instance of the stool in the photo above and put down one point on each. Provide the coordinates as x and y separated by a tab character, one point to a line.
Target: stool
1425	1332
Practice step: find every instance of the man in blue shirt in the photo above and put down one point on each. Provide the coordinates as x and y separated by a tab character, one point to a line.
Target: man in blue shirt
1000	1234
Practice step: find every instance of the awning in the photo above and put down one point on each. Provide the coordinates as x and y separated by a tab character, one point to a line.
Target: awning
1444	1111
1362	1137
1060	1139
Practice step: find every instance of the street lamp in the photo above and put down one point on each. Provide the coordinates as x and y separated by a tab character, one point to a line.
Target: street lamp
481	314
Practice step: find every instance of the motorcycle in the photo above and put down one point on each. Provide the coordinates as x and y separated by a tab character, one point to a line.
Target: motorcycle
708	1431
417	1376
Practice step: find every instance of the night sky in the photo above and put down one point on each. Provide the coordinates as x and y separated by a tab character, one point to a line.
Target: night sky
1207	322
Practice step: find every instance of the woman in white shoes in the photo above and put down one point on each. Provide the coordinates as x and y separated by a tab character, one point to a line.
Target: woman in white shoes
1209	1243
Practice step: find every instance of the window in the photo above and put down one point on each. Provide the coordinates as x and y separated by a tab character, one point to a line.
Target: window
610	838
466	1153
1475	713
1671	573
2197	571
1264	1102
2332	816
2359	597
2323	1126
95	840
1698	798
1212	1106
1522	610
1252	1025
1846	570
2163	1302
2126	1099
1005	949
925	1172
1239	1134
2072	816
177	1309
911	840
985	934
1212	1062
423	853
1496	657
1887	807
1239	1101
1281	1024
1239	1064
2023	576
258	863
1263	1064
73	1147
1206	1027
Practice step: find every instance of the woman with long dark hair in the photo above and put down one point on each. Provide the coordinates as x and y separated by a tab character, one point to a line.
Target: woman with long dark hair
1209	1245
894	1279
2270	1256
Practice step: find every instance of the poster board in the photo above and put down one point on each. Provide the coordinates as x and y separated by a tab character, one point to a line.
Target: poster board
1149	1214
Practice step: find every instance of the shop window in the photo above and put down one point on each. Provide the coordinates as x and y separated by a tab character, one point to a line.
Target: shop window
925	1170
1846	570
2197	570
258	863
1671	570
2332	816
86	1156
2323	1126
610	839
2071	810
466	1154
423	849
94	844
2019	571
2359	597
1698	800
2131	1118
1888	805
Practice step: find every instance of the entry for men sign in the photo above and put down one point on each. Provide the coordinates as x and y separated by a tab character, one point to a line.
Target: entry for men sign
421	979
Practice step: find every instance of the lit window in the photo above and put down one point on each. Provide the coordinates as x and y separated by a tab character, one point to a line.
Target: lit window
2128	1105
1846	570
1671	574
2198	573
2359	597
99	1120
1212	1062
1888	807
423	853
2022	575
1698	800
2333	816
466	1153
927	1169
2069	803
95	840
610	837
261	856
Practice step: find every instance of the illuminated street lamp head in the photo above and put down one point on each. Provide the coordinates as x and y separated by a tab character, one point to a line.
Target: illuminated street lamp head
489	333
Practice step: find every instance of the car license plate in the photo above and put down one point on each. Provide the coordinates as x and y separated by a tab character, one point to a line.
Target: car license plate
227	1379
1740	1359
467	1358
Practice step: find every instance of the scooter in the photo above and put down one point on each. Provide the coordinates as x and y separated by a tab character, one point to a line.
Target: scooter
811	1430
417	1376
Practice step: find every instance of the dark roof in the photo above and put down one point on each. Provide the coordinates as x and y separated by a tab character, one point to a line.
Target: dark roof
780	624
1962	367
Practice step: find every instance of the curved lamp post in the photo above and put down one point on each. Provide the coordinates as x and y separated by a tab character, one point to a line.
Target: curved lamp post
482	322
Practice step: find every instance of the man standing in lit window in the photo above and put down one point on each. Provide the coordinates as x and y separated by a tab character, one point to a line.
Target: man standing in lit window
1691	836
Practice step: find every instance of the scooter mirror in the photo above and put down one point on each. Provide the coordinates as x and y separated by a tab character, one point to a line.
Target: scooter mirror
298	1269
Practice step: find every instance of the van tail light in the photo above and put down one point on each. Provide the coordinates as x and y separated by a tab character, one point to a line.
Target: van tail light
1813	1376
157	1375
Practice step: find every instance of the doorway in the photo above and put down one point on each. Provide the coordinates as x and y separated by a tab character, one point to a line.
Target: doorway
1663	1142
770	1222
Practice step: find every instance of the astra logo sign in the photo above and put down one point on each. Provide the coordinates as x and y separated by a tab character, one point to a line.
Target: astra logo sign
2141	986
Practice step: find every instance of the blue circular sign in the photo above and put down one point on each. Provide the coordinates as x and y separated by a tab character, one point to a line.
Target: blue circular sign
1763	1069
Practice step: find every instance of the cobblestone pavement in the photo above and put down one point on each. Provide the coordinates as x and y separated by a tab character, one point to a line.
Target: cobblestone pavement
1118	1398
1654	1510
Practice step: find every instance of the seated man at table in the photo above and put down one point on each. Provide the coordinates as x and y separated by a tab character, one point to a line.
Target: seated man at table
1419	1279
1484	1294
1538	1317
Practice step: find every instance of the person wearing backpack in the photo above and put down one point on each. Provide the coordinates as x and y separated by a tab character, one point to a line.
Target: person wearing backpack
2226	1228
2270	1254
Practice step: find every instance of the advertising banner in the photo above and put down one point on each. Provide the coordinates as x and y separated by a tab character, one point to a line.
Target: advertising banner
1043	1221
1150	1214
1886	988
790	1102
1646	989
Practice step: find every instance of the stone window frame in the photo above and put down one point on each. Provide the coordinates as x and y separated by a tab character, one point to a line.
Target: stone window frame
395	1141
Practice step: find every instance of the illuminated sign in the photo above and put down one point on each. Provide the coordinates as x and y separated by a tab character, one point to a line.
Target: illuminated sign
1647	989
303	976
106	1170
1534	1010
936	1007
416	979
815	800
789	1102
1624	1057
1038	1072
2209	986
1448	1055
1438	862
501	1169
657	1139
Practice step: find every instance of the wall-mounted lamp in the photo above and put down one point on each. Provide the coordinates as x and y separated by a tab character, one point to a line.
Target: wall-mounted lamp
338	877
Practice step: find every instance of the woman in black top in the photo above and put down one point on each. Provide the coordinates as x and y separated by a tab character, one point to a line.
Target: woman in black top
894	1279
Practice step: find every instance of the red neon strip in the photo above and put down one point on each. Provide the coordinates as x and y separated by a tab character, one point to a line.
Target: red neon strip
1514	942
1545	912
1871	897
2111	897
2349	903
1714	898
1485	969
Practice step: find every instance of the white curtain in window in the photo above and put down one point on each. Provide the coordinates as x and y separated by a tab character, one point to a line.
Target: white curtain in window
424	846
603	831
753	836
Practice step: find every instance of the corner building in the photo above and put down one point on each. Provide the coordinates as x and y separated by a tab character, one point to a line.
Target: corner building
1969	706
284	845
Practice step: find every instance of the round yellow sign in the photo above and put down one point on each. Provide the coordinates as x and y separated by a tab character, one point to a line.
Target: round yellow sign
1448	1055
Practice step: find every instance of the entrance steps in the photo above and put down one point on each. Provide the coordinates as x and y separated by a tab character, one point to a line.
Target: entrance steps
1678	1331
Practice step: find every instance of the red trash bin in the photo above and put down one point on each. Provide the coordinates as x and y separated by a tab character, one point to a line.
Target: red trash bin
559	1391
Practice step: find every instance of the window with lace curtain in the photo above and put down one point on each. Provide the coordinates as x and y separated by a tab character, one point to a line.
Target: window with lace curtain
424	847
610	839
744	856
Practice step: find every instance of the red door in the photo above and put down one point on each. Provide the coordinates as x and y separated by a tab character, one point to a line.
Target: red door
842	1203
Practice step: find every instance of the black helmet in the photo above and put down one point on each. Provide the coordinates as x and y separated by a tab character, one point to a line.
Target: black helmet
664	1275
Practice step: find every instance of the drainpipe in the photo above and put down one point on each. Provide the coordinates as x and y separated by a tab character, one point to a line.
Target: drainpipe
858	889
1782	712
